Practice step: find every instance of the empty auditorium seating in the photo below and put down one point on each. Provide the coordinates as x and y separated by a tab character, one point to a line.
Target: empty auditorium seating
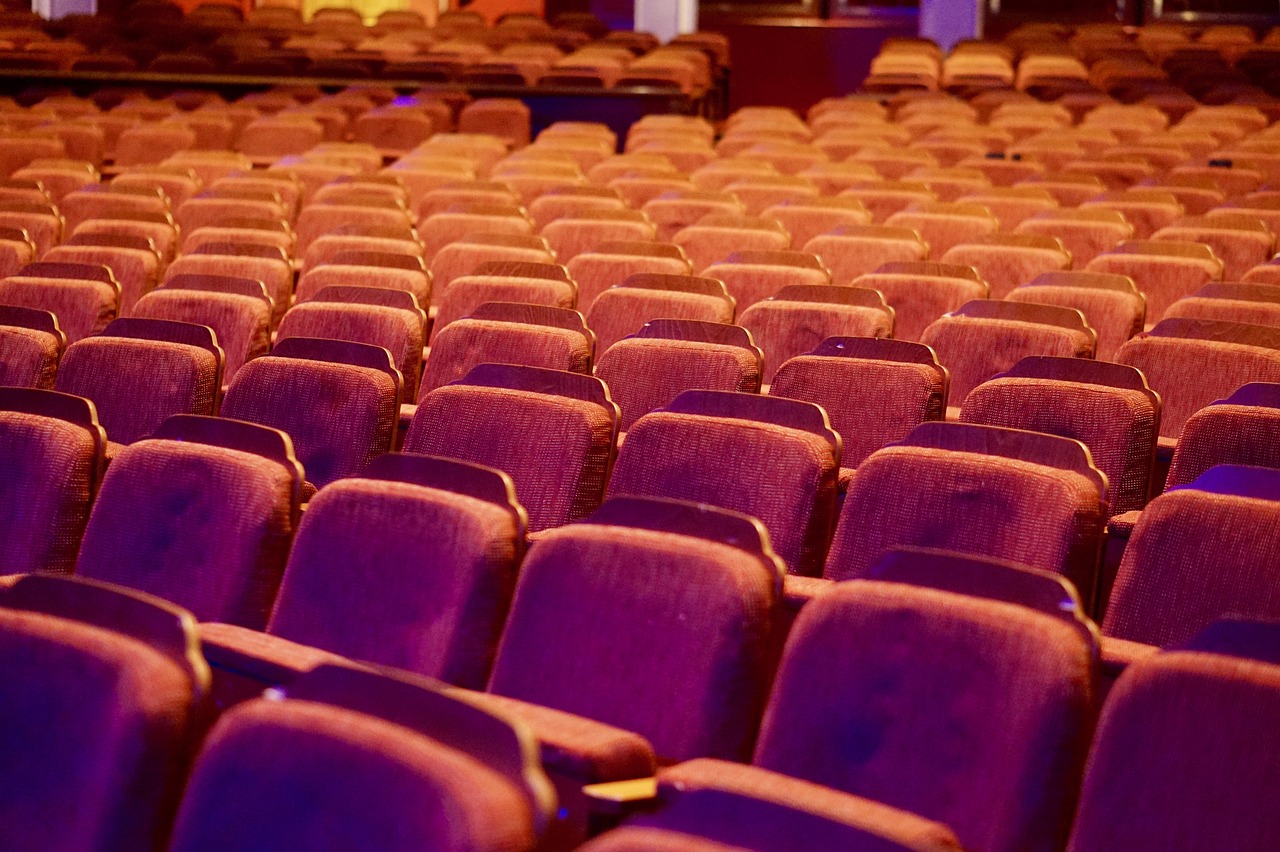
626	306
389	759
1111	304
1031	498
106	696
921	291
220	501
986	337
712	447
499	414
338	401
31	344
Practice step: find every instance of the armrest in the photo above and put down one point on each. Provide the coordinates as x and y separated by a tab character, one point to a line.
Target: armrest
885	821
798	591
1121	526
1118	655
245	662
619	798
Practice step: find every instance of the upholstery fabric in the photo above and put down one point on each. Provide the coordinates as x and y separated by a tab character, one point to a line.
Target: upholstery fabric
45	229
466	294
596	272
316	278
849	256
1004	508
706	245
268	768
555	449
318	219
92	717
808	220
83	308
461	258
469	342
1211	790
135	384
241	322
784	330
1190	374
749	283
28	357
339	416
401	575
48	467
276	274
136	270
399	332
1163	280
783	476
1085	239
1192	558
644	839
622	311
273	650
942	231
1225	434
918	300
1006	267
644	374
972	712
205	527
677	643
443	228
870	403
570	237
1240	250
1228	310
975	349
1115	315
1117	425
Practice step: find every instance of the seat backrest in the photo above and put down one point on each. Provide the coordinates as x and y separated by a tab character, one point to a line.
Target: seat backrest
391	758
632	561
854	250
1107	407
847	654
799	317
510	333
53	453
985	337
1189	562
498	415
337	400
1240	429
770	457
611	262
444	538
752	276
1023	496
921	291
622	309
1192	362
201	514
648	369
874	390
108	691
138	372
1111	304
241	322
31	344
1191	795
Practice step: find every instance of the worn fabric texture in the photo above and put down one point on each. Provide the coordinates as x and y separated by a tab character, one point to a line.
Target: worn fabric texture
135	384
555	449
870	403
47	466
242	323
783	476
1195	557
677	644
467	343
971	712
1005	508
784	330
352	781
216	531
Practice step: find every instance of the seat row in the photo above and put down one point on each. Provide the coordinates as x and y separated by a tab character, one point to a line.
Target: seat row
671	665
